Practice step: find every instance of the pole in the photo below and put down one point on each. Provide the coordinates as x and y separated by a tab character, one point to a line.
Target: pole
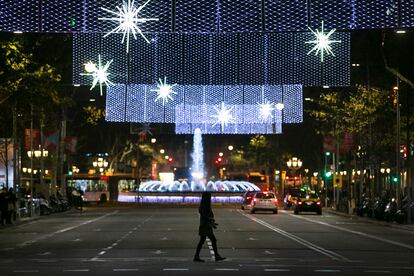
42	161
397	144
31	161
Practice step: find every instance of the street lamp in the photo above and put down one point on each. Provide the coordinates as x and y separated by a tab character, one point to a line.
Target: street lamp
100	164
294	164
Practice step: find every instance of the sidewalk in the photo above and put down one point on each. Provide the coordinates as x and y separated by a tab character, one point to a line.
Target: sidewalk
409	227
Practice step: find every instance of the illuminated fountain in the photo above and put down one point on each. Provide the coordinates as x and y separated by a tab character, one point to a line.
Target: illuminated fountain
156	191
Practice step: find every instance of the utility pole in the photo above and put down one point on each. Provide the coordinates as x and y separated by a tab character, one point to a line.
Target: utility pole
397	142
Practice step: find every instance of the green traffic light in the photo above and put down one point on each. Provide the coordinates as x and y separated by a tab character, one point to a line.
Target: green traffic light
327	153
70	173
328	174
395	179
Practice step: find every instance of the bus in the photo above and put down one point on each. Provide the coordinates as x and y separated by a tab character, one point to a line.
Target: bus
101	188
259	179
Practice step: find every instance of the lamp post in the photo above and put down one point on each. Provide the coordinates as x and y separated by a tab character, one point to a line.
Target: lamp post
294	164
100	164
40	153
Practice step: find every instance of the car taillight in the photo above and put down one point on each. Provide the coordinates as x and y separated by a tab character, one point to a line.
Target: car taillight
275	201
318	203
254	201
249	198
299	202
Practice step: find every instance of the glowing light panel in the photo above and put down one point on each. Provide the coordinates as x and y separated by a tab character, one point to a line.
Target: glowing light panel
100	74
128	21
164	91
322	42
223	116
265	110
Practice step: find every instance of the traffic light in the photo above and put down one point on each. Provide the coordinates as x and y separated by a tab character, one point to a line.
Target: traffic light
328	175
328	153
394	179
70	173
170	160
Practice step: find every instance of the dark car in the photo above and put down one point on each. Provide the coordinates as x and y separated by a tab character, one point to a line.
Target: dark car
290	198
308	202
247	199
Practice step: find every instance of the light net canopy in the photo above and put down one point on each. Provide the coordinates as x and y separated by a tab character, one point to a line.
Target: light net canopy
198	106
208	16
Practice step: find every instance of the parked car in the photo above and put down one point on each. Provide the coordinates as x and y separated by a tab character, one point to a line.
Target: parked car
263	201
308	202
247	199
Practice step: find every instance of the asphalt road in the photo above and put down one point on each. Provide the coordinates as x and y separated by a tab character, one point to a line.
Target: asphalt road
161	241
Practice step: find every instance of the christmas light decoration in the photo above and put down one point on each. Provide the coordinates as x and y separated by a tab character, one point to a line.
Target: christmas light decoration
199	105
164	91
265	111
193	16
100	74
128	21
322	42
223	116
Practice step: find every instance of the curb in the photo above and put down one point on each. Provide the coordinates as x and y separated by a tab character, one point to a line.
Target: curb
372	221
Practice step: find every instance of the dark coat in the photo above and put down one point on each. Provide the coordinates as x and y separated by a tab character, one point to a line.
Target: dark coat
206	222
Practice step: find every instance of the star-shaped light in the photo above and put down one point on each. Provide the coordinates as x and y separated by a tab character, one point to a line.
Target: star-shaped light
164	91
100	74
128	20
322	42
265	110
223	116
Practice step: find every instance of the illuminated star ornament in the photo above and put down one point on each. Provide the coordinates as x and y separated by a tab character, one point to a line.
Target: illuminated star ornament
100	74
265	111
128	20
322	42
223	116
164	91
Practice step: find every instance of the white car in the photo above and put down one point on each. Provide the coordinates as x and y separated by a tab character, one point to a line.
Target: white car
263	201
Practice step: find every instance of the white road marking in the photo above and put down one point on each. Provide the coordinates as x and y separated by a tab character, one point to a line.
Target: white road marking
76	240
175	269
125	269
164	238
75	270
211	248
226	269
102	252
45	253
26	243
269	252
158	252
327	270
326	252
252	239
357	233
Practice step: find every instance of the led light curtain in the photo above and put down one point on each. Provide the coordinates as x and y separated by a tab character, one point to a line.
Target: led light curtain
207	16
196	106
215	59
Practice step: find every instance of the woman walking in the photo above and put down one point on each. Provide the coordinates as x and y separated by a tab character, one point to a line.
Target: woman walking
207	223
